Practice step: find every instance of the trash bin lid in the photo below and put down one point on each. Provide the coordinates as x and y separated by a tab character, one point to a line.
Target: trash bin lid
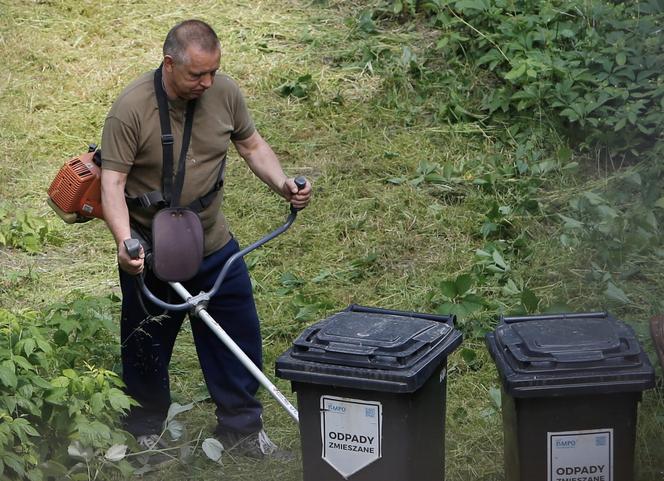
569	354
377	350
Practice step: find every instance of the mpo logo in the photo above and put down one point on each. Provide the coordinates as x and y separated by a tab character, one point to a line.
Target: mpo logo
566	443
336	408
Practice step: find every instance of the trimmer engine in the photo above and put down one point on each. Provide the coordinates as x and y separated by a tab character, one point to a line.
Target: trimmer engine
75	193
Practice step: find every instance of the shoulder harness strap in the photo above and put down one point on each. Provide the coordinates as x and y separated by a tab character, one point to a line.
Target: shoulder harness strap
170	196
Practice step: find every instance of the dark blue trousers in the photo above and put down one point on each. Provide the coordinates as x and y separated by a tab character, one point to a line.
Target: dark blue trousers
147	346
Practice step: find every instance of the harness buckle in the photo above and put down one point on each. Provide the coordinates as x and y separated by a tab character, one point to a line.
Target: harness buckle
144	200
151	199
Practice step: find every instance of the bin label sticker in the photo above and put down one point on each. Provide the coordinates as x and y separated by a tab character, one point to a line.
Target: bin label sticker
580	455
351	431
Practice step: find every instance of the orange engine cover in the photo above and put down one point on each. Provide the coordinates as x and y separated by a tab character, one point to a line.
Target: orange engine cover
77	187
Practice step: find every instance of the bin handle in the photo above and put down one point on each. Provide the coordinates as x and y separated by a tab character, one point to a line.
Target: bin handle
552	317
449	320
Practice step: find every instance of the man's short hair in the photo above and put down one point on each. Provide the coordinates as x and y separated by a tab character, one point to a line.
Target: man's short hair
186	33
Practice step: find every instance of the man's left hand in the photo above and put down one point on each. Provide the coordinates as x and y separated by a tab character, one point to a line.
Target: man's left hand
299	198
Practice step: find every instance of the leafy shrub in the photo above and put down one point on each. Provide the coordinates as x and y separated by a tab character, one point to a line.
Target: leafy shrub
623	219
299	88
586	72
53	401
594	68
458	298
24	230
84	329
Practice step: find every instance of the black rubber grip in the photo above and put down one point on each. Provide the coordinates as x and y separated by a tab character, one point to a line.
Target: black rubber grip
133	247
300	182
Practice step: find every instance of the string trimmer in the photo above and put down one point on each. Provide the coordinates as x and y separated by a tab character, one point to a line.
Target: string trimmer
75	195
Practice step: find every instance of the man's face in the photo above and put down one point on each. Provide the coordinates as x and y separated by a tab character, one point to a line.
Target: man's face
188	80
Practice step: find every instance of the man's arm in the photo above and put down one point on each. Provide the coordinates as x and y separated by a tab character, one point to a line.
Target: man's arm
264	163
116	216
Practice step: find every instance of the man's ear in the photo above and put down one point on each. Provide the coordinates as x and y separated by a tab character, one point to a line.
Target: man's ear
169	63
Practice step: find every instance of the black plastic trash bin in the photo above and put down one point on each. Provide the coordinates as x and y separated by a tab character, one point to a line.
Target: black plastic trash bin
371	387
571	386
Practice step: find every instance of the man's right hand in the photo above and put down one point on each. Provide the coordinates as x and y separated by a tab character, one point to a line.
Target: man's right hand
129	265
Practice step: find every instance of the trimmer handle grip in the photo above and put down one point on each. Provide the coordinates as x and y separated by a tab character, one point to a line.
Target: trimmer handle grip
300	183
133	247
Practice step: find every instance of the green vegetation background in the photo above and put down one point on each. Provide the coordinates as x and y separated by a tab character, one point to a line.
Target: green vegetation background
453	173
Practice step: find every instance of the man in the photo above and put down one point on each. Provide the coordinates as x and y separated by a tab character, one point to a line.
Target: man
132	166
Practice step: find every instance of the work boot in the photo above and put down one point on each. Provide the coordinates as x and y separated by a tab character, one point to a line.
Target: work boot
155	452
254	445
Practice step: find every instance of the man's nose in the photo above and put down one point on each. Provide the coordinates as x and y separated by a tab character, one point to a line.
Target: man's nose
207	80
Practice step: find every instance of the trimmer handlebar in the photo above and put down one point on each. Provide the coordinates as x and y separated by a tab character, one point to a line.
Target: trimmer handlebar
195	303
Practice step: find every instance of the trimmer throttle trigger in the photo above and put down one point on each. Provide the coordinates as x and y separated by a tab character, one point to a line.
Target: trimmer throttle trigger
133	247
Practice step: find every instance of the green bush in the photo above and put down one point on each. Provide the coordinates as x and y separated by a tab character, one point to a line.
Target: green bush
24	230
592	68
589	73
54	402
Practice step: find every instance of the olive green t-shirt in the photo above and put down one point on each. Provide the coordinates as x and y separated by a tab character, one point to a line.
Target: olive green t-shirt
131	143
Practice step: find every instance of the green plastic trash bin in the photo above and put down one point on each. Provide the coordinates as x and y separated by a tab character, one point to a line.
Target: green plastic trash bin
571	384
371	387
